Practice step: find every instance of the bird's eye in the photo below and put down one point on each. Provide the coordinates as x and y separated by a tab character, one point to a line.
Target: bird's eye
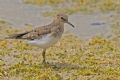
63	18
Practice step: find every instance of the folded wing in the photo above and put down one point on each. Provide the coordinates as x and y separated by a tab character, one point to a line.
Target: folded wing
31	35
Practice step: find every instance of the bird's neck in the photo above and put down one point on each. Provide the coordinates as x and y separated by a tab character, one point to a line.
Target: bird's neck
57	22
58	28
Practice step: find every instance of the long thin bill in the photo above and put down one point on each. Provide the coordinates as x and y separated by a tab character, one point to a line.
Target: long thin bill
71	24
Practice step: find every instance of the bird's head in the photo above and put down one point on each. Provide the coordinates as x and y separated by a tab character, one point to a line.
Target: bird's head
63	18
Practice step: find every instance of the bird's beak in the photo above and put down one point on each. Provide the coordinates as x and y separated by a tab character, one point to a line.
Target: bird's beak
68	22
71	24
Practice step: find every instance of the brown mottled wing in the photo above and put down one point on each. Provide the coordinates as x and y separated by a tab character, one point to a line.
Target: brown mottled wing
34	34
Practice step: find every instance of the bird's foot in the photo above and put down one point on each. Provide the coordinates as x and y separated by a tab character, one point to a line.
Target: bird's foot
44	62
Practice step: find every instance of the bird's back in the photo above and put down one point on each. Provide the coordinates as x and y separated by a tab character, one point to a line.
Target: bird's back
38	32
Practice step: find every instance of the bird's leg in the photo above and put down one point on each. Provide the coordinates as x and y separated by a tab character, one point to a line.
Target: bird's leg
43	54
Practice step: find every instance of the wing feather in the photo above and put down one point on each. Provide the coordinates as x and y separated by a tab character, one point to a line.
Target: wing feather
34	34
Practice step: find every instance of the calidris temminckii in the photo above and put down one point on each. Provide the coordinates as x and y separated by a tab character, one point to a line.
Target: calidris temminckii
45	36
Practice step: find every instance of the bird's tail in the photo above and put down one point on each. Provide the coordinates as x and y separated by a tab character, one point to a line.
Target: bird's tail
16	36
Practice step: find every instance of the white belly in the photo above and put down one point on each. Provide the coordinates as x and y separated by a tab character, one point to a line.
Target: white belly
44	42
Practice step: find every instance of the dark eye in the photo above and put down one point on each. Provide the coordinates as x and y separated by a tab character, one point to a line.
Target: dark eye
63	18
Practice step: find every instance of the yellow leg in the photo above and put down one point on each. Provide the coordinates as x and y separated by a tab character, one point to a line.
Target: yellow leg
43	54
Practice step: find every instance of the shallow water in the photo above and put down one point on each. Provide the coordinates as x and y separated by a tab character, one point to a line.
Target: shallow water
19	14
